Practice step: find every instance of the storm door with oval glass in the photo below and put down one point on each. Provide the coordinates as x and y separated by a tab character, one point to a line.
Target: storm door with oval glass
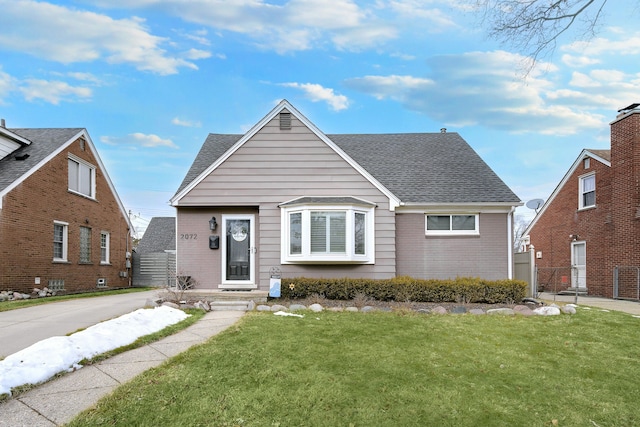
238	250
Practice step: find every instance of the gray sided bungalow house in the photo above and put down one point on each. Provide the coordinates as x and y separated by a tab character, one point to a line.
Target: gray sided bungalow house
287	198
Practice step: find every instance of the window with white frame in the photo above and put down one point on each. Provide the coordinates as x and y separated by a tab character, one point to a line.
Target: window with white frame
587	191
104	247
60	244
82	177
85	245
328	233
451	224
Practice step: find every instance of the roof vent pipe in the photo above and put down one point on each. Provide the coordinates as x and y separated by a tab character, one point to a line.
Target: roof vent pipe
3	123
443	130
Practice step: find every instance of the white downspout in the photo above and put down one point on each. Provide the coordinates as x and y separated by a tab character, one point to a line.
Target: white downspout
510	243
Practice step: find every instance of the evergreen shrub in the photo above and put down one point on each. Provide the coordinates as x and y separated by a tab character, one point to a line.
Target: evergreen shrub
405	288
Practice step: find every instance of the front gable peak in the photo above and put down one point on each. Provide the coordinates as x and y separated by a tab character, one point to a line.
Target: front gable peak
284	112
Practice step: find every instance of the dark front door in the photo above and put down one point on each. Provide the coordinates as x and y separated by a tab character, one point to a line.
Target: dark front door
239	256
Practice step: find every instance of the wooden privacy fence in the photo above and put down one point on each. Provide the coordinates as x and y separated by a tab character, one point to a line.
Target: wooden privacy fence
524	269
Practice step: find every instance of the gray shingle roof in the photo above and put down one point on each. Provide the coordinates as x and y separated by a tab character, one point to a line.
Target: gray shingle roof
159	236
416	167
43	143
214	146
427	167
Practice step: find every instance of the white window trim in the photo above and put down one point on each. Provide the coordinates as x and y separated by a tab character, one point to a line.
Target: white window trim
450	232
306	257
581	179
107	248
92	171
65	241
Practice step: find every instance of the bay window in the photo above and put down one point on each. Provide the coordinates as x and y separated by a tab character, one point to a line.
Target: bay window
328	233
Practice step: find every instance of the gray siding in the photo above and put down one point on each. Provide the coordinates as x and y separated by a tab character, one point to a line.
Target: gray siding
273	167
436	257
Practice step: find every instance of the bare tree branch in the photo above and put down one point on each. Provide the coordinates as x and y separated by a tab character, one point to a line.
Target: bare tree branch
534	26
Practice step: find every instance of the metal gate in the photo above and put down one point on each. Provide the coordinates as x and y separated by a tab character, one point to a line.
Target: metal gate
553	279
626	282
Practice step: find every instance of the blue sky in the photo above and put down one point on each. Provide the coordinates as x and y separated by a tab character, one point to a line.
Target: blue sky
149	79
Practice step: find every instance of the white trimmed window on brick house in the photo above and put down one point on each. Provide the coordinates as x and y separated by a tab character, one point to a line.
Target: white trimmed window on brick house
60	241
82	177
104	247
587	191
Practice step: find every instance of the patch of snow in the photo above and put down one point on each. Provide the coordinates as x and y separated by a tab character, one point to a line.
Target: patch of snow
547	311
51	356
284	313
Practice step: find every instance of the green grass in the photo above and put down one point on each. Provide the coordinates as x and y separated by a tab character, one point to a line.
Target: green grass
13	305
390	369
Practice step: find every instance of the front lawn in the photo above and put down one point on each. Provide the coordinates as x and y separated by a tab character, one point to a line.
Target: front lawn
394	369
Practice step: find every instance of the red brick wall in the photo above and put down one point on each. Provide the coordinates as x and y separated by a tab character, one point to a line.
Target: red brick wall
26	229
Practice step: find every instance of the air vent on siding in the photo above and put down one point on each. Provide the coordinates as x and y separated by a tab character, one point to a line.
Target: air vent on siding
285	121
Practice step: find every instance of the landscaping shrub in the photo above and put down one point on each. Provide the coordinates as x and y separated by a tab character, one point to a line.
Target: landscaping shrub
405	288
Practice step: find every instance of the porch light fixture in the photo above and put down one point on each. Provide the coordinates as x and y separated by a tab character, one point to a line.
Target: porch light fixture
213	223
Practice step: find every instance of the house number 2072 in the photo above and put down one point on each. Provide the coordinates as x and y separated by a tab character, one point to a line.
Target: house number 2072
188	236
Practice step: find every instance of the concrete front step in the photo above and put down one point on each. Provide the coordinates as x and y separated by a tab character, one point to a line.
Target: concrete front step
572	291
230	297
230	305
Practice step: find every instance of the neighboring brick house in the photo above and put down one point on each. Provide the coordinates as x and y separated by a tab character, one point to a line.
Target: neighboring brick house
591	222
62	224
287	198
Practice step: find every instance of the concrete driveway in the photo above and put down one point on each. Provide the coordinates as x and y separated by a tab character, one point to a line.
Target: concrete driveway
23	327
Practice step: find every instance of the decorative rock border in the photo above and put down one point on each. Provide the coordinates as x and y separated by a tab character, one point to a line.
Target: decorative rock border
523	310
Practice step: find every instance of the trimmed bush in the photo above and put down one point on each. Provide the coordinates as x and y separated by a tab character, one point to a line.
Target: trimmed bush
460	289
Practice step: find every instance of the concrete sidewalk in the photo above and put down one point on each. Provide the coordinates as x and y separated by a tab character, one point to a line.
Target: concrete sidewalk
59	401
631	307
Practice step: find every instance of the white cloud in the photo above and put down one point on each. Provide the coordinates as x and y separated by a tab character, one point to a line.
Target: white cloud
186	123
482	88
316	92
626	44
53	91
578	61
139	139
82	36
86	77
197	54
431	19
293	25
6	85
